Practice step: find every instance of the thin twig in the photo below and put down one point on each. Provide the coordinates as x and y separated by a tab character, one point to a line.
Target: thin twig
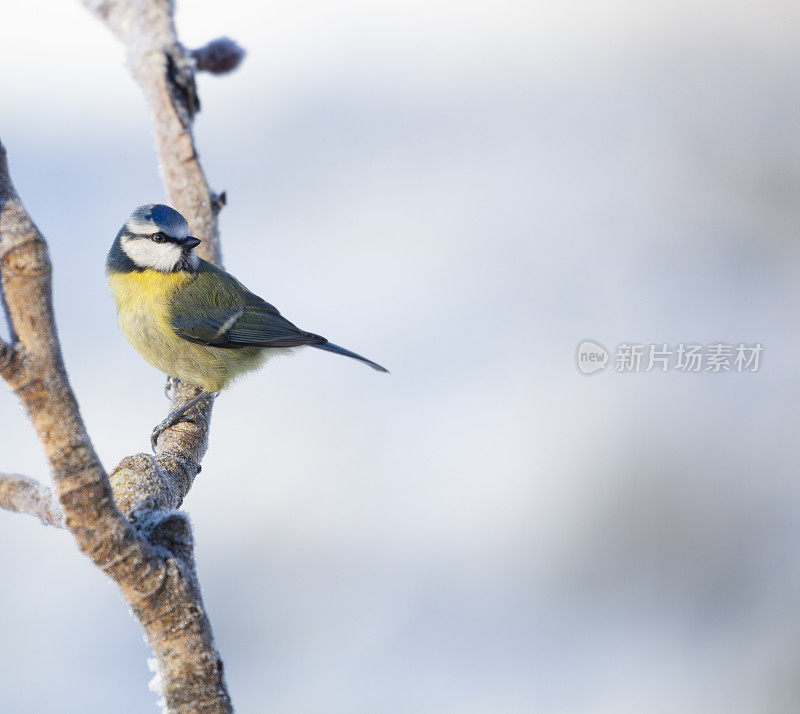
21	494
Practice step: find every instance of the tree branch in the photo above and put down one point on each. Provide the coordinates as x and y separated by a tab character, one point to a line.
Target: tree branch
34	370
24	495
165	72
126	524
149	553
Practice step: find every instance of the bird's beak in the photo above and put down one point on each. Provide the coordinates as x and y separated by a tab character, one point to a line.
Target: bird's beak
190	242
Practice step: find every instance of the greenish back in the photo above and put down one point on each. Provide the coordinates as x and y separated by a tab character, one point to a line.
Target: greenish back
215	309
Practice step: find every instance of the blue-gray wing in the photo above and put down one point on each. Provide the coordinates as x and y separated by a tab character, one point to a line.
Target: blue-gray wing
215	309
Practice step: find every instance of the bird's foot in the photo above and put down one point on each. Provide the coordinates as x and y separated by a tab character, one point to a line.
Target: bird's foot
170	386
163	426
177	416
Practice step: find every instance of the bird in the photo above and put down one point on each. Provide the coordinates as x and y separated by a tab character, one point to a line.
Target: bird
190	319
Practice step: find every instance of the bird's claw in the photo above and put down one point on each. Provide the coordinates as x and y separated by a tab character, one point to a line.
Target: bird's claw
178	415
154	436
170	386
168	423
161	428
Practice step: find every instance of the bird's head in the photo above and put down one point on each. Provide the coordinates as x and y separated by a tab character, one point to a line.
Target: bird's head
157	236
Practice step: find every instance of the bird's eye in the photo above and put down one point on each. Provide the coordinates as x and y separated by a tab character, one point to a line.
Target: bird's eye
160	237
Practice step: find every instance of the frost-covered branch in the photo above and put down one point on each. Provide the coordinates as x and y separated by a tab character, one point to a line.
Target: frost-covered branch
25	495
34	370
147	553
165	71
126	523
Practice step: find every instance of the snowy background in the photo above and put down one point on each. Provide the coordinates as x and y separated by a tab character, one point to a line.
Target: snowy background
462	192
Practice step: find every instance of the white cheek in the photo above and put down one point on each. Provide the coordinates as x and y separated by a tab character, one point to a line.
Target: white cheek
148	254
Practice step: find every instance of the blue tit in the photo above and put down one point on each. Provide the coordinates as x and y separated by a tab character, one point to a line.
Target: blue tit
187	317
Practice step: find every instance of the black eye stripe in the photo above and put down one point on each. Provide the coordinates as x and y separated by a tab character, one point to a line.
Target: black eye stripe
159	237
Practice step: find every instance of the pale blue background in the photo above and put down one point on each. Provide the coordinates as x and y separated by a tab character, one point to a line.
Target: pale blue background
463	192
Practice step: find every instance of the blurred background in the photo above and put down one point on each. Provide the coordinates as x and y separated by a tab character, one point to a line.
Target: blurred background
462	192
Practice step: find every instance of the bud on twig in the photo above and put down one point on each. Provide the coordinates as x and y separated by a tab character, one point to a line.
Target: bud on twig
219	56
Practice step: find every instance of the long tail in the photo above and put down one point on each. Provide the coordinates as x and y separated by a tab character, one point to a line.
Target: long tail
330	347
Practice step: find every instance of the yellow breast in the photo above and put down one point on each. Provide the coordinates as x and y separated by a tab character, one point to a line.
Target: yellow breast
142	289
143	305
142	299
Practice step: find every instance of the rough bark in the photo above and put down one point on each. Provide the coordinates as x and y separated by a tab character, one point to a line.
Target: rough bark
126	523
